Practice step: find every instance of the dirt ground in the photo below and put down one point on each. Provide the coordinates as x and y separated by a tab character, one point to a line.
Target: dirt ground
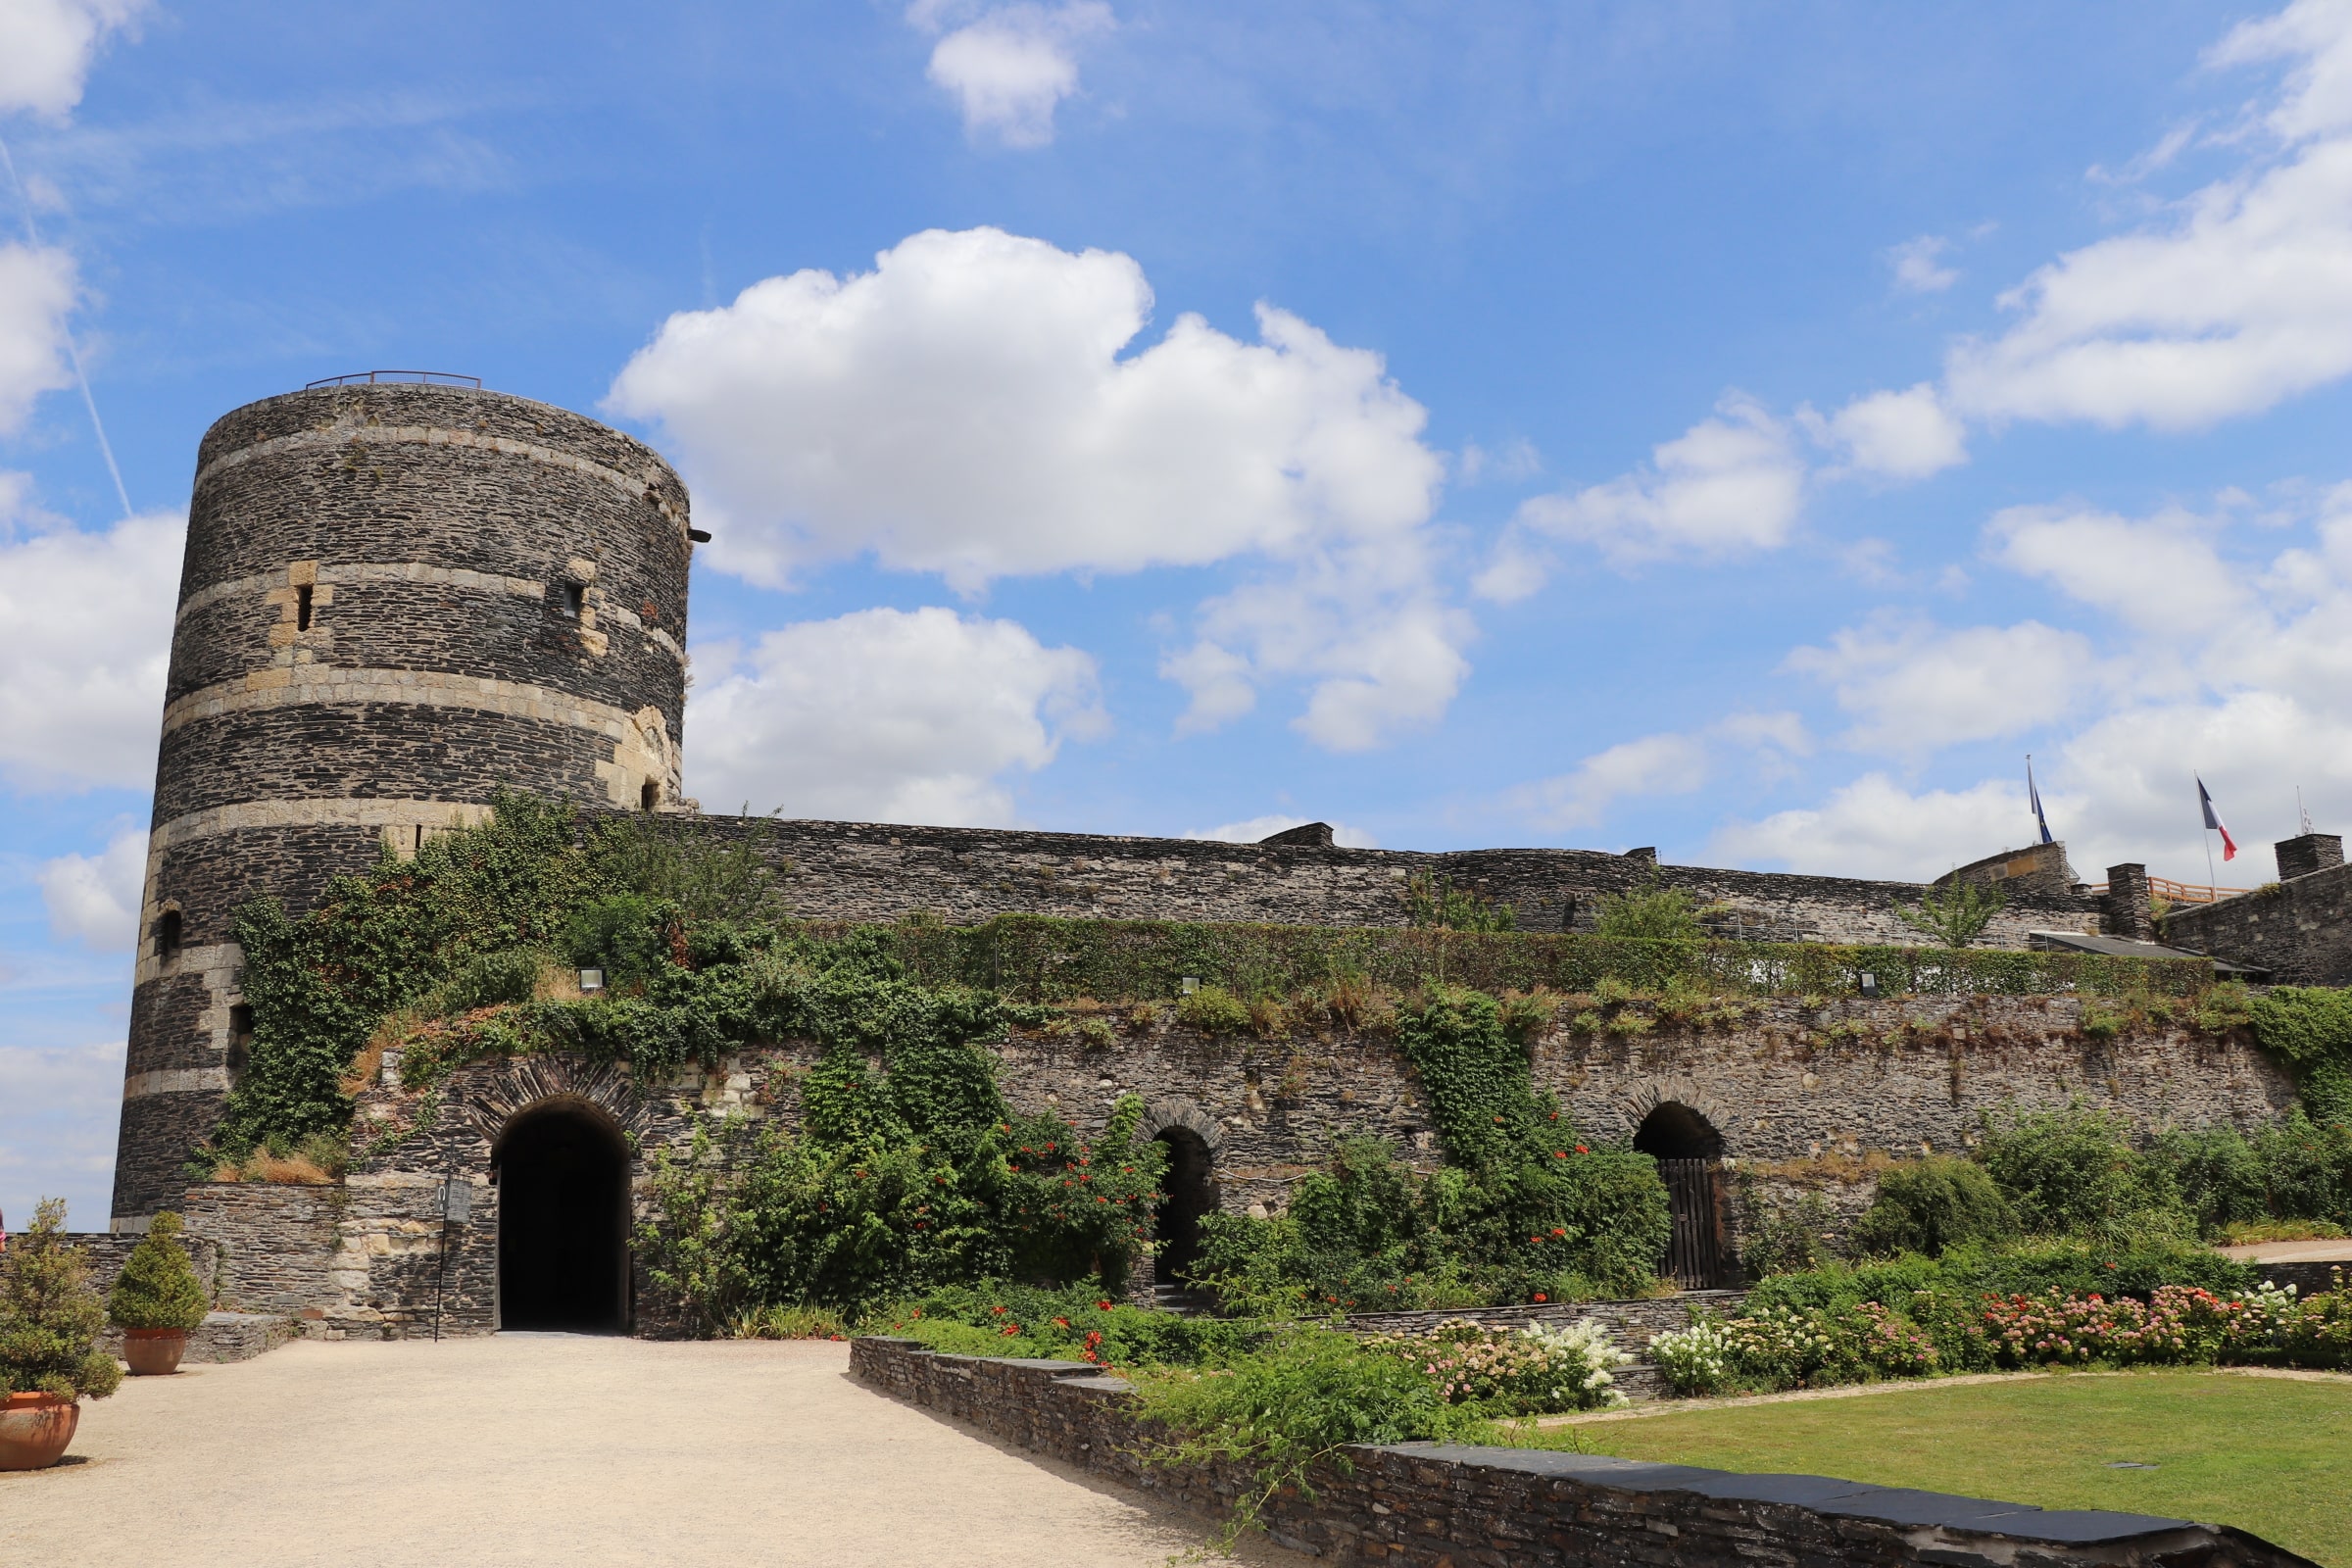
526	1448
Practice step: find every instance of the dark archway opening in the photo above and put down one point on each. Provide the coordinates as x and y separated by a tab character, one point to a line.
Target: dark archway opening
1190	1191
562	1175
1689	1156
1674	1130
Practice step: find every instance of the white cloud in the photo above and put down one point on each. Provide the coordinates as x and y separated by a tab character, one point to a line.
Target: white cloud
1901	435
37	289
1874	827
886	716
1730	484
86	633
46	47
60	1108
1011	67
2161	573
966	408
1917	268
1257	828
1914	688
94	899
1516	459
1668	763
2239	301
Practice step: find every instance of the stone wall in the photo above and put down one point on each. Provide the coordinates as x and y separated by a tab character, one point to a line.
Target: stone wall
2300	930
1843	1087
868	871
1406	1505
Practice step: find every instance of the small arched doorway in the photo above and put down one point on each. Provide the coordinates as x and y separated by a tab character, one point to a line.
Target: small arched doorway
1189	1192
1689	1156
562	1175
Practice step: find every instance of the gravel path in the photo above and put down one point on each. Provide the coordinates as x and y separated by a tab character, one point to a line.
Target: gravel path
527	1448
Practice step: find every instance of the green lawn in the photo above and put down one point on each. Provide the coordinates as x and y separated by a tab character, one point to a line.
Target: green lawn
2266	1454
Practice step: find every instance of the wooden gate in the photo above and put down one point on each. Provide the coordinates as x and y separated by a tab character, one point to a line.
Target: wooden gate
1699	1255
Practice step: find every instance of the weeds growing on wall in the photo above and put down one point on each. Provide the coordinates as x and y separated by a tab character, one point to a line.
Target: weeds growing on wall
2311	1027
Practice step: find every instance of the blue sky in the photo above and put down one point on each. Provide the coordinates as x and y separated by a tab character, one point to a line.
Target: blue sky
1744	430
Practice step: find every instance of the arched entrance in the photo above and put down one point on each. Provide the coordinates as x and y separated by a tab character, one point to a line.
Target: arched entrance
1190	1189
562	1175
1689	1156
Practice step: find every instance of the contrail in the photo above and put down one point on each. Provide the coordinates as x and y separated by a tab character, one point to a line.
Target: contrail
105	447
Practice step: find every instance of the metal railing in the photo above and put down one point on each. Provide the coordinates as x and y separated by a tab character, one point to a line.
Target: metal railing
371	378
2172	892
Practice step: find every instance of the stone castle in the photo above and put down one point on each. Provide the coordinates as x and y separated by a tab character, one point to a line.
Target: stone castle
400	598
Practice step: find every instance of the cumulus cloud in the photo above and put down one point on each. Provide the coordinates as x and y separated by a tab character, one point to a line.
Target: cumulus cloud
1898	435
1874	827
37	288
1669	763
1011	66
2162	574
1257	828
46	47
86	633
1917	265
94	899
886	716
1728	484
2237	300
1913	688
969	408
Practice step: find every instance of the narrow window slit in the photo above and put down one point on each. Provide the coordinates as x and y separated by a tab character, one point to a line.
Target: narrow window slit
649	795
167	934
576	599
302	607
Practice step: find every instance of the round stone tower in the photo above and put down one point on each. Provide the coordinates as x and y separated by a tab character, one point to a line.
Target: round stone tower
396	600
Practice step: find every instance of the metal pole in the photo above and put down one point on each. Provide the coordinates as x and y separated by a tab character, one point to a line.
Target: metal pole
441	1269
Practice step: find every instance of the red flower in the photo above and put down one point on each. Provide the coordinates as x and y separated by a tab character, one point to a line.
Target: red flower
1582	1150
1540	1296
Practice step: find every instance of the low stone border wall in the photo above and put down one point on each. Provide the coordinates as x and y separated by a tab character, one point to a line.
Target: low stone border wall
222	1337
1437	1505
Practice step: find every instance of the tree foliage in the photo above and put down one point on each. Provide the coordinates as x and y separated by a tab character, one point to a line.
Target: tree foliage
157	1288
1957	915
50	1316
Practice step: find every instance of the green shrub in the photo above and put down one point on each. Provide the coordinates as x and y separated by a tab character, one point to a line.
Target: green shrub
50	1316
2075	1172
1653	914
1931	1204
1300	1400
157	1288
1213	1011
2311	1026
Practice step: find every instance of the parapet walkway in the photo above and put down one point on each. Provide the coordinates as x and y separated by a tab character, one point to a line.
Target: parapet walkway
524	1450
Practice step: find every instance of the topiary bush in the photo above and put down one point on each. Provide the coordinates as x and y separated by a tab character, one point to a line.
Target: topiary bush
1930	1205
50	1316
157	1288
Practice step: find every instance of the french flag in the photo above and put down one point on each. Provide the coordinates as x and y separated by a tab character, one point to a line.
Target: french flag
2213	821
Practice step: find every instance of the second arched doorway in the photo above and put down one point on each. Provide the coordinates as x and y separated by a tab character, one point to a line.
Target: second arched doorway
562	1175
1689	1156
1189	1192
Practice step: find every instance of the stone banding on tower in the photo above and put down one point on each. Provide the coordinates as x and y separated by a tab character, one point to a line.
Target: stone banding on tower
396	600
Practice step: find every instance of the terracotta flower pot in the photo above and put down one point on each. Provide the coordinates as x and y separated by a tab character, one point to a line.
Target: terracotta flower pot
154	1352
34	1429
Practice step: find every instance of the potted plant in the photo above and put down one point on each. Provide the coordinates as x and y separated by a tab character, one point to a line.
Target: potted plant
49	1359
155	1300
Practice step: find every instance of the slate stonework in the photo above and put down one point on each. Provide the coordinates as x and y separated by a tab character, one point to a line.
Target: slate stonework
495	592
1433	1505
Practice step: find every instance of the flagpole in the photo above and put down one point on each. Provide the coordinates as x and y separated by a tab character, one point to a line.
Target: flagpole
2205	834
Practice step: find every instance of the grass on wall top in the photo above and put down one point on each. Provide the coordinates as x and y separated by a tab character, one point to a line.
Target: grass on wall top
1043	959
